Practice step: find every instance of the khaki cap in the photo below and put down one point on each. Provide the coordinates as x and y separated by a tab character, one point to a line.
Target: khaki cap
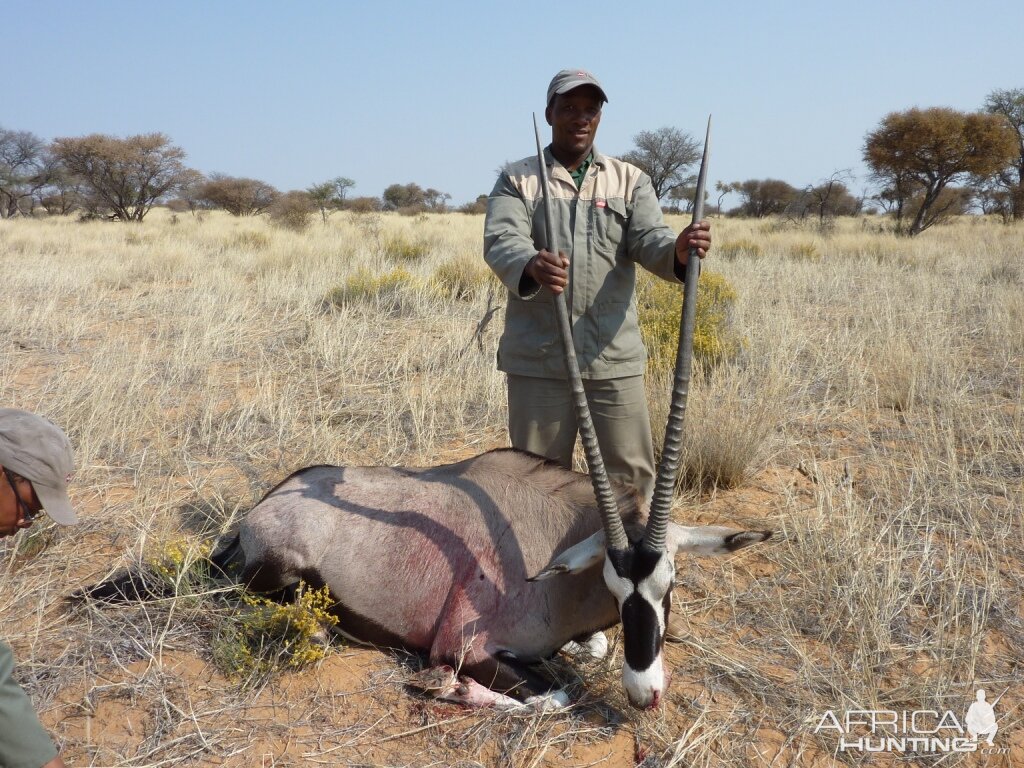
39	451
568	79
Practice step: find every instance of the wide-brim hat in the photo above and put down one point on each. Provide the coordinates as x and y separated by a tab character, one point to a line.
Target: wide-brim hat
38	450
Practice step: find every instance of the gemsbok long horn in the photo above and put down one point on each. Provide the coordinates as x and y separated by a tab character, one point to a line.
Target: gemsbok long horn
615	533
668	468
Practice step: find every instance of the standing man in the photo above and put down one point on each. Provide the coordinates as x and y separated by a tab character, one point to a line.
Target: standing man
607	220
36	463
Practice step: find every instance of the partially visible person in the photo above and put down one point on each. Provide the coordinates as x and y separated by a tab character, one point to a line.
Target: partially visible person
36	462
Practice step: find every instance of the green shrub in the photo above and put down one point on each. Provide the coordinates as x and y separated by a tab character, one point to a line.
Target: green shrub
363	204
743	247
400	249
659	305
478	206
257	636
292	210
366	285
461	278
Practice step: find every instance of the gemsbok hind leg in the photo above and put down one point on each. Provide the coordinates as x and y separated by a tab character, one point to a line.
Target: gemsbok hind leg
469	668
502	683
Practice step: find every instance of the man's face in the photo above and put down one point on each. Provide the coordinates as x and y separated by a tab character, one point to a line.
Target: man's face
18	503
574	117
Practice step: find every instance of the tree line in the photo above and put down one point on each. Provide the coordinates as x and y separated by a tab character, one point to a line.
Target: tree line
925	165
121	179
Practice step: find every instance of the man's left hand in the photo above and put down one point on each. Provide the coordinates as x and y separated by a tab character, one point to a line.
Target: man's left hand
694	236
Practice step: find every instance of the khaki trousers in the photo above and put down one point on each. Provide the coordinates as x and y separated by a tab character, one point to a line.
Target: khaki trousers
542	420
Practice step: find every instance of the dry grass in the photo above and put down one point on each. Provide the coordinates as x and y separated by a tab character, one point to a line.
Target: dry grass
874	419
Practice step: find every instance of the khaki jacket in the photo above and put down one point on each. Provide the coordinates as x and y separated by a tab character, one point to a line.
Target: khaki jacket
23	740
607	227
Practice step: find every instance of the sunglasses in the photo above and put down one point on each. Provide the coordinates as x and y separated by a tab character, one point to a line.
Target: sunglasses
27	514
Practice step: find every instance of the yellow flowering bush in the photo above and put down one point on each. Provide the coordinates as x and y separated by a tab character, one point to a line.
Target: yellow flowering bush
181	564
659	305
265	636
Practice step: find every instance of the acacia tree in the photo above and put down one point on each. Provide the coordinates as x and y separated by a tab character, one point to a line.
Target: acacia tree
924	150
829	197
764	197
404	196
124	177
665	155
412	198
329	196
190	191
1010	105
990	197
238	196
477	206
26	168
895	188
724	189
436	200
681	199
64	192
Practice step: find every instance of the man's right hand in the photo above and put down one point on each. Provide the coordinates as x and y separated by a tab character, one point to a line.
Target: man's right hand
550	270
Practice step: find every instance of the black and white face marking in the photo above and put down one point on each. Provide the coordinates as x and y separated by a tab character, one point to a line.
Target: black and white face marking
641	581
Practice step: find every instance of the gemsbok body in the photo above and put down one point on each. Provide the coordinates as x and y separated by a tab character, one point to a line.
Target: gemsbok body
485	566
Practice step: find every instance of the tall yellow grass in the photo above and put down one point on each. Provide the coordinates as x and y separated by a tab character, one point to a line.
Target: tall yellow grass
874	418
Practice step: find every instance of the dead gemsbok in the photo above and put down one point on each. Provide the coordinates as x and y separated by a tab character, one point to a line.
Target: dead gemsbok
486	566
492	563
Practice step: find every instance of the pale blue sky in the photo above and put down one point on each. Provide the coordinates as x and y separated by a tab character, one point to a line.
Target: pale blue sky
442	93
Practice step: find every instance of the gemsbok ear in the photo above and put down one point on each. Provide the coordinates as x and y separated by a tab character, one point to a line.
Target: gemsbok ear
576	558
711	539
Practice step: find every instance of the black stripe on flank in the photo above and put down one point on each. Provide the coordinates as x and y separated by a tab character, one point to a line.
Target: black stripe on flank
641	632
